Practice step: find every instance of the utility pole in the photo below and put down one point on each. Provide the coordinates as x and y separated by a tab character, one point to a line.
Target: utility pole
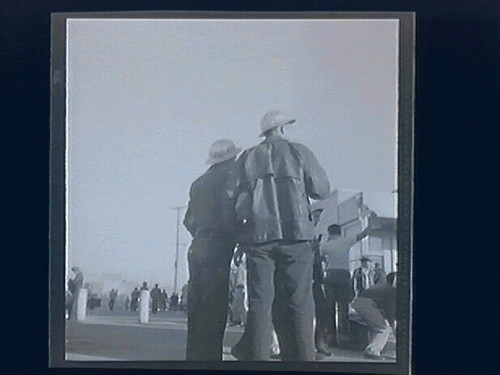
178	208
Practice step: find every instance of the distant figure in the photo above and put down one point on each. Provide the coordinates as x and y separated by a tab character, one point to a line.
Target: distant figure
238	296
144	286
378	273
155	299
362	277
322	312
127	303
68	302
237	306
74	286
134	302
113	294
163	300
174	300
376	306
184	297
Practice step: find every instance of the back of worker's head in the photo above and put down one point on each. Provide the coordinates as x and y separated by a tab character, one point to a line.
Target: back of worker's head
334	230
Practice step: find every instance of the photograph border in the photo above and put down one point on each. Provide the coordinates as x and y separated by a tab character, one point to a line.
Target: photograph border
405	175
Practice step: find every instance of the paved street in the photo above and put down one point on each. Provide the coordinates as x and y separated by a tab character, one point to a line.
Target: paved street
118	336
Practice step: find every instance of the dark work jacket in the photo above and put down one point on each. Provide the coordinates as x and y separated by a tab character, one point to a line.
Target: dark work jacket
210	210
384	296
272	184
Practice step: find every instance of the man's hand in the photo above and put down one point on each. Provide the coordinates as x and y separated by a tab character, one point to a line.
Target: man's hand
373	221
238	256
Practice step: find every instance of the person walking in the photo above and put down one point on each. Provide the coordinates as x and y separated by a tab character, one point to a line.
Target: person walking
113	294
210	221
272	184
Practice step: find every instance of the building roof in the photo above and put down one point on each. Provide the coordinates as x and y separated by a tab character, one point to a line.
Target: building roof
384	204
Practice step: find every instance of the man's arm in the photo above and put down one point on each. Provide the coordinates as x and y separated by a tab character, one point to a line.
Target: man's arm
316	180
228	200
363	234
189	221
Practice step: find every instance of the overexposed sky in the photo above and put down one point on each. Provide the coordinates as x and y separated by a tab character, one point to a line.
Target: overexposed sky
147	97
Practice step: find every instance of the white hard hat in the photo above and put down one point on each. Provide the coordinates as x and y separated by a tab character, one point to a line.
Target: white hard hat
222	150
272	120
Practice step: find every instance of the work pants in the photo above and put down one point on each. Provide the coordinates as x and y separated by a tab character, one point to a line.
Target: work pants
378	325
209	258
73	305
322	315
339	293
280	292
154	305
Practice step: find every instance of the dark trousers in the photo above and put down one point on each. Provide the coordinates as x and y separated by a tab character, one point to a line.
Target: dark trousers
322	315
209	258
154	305
280	291
339	293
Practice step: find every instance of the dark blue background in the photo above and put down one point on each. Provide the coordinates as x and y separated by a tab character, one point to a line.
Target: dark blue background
457	133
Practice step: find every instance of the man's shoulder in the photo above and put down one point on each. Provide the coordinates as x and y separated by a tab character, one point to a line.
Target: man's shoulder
203	179
198	182
300	147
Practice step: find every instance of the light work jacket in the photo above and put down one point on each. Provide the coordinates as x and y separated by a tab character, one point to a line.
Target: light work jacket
272	184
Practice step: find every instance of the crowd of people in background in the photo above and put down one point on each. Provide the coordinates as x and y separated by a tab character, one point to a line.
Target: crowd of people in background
159	298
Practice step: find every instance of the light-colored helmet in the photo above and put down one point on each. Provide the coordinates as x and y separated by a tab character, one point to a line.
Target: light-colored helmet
222	150
272	120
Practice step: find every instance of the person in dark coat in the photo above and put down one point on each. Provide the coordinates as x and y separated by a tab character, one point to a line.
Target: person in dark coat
174	300
134	299
163	300
377	308
272	186
113	294
378	273
210	220
362	277
155	299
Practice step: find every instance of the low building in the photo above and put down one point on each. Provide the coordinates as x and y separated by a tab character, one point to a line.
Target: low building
350	209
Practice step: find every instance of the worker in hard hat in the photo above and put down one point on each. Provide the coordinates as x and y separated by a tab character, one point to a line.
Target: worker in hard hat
208	219
272	185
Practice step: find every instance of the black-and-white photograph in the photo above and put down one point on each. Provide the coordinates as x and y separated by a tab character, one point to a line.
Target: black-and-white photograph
232	189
